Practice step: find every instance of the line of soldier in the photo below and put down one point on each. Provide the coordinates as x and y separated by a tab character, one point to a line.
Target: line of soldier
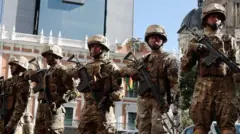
214	96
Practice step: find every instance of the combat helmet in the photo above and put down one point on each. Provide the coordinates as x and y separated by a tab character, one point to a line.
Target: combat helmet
21	61
52	49
100	39
156	30
213	8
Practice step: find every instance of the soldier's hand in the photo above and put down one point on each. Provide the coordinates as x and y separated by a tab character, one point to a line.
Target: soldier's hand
198	47
53	106
165	108
175	110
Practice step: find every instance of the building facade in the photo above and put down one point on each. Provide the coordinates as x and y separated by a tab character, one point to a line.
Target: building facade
113	18
29	45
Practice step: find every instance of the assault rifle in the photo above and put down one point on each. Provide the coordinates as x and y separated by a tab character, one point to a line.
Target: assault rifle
40	73
39	83
86	81
145	83
214	54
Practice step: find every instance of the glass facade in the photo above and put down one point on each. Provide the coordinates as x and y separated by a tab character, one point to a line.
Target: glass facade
1	10
73	20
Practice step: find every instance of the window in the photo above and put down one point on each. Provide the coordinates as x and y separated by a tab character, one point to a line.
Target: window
68	116
131	120
131	88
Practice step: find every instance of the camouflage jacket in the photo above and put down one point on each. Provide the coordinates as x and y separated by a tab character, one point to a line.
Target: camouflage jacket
163	70
60	84
18	91
224	43
107	79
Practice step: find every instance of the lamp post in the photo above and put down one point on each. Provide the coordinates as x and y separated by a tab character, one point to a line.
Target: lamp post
134	43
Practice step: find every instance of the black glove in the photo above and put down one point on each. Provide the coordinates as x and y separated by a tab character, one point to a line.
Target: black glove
201	48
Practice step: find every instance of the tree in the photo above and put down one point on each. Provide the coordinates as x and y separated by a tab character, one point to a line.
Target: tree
187	84
185	120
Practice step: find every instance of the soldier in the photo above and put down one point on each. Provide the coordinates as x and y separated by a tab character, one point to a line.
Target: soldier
17	90
106	84
59	83
214	90
163	70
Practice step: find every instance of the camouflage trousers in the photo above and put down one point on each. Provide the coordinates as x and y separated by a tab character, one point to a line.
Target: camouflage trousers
214	98
49	121
149	118
92	120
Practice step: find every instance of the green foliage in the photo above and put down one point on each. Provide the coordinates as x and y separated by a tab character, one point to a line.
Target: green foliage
187	83
185	120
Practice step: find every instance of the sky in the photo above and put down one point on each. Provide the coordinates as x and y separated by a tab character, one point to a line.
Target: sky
168	13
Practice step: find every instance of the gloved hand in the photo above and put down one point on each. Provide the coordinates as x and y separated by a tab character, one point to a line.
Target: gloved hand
164	108
198	47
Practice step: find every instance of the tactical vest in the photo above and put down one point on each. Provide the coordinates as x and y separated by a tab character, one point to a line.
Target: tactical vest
218	68
157	68
100	72
55	84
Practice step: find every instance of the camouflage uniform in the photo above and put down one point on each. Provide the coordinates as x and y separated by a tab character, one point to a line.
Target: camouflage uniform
163	70
106	77
50	120
18	91
214	90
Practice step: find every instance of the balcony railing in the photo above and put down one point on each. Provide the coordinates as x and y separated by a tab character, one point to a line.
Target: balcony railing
124	127
71	123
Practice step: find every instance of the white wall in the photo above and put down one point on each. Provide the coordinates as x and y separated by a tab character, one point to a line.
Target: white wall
119	19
